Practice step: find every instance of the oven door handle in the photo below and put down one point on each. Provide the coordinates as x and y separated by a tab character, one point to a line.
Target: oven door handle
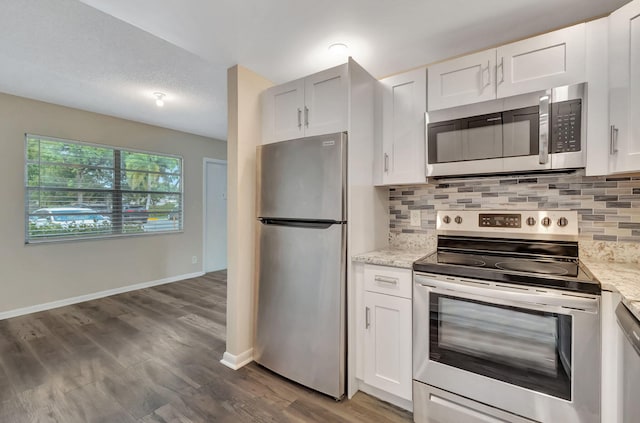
496	291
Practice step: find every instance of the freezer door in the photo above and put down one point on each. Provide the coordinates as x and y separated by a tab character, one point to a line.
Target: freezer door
303	178
300	331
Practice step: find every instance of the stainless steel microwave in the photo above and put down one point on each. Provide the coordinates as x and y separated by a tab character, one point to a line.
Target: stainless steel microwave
547	133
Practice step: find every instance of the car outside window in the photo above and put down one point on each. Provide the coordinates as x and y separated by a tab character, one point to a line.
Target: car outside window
79	190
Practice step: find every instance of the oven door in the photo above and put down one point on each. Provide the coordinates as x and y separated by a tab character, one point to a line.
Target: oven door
533	352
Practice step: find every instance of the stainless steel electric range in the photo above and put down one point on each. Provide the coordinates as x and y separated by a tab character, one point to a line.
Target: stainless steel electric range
506	321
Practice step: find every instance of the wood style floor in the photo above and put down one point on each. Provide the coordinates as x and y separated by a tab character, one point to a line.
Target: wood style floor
151	356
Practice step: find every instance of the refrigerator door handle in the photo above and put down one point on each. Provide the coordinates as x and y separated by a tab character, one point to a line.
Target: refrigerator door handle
312	224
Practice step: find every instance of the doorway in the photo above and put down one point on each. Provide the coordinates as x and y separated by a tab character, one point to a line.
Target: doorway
215	215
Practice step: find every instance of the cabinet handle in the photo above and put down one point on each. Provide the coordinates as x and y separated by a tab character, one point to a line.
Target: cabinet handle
386	162
488	73
488	70
306	116
299	118
367	317
501	66
384	279
613	140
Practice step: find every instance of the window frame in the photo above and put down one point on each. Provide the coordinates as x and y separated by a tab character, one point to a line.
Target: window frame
118	170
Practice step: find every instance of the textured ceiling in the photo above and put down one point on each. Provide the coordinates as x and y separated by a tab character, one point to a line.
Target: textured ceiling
109	56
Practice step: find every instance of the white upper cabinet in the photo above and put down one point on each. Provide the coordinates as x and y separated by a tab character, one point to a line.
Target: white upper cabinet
546	61
624	88
550	60
313	105
466	80
325	99
404	103
283	109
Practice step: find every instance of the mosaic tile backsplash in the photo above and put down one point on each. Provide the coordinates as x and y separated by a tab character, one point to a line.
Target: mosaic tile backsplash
608	207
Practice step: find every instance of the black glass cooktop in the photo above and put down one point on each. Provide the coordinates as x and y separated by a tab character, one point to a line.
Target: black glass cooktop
552	271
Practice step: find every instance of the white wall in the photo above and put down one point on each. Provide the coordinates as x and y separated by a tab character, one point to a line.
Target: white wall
36	274
244	134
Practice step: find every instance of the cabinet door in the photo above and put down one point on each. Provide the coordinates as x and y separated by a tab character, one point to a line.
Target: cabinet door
325	97
624	87
387	343
404	103
546	61
282	112
466	80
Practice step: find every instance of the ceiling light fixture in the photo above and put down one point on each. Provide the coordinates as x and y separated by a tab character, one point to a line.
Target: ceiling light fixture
159	98
339	49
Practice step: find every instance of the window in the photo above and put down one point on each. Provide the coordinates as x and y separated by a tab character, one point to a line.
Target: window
78	190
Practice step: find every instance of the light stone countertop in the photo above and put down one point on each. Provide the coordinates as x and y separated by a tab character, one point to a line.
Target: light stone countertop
393	257
621	277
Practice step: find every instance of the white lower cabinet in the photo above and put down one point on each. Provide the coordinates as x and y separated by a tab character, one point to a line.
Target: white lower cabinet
387	343
387	330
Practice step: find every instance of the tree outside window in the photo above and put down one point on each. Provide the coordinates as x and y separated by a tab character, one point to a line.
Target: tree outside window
80	190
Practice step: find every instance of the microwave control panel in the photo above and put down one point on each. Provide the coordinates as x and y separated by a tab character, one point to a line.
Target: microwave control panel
566	117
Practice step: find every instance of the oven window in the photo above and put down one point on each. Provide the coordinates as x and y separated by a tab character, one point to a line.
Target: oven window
528	348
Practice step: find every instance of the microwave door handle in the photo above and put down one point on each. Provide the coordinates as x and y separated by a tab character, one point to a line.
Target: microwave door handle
543	137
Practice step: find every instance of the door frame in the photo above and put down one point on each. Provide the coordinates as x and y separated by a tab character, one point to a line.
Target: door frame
205	162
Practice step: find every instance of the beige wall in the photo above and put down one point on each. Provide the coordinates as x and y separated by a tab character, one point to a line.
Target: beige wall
36	274
244	134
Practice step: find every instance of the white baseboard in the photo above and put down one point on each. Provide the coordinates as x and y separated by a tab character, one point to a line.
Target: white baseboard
385	396
93	296
237	361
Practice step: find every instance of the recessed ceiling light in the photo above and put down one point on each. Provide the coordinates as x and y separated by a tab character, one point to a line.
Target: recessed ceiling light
340	49
159	98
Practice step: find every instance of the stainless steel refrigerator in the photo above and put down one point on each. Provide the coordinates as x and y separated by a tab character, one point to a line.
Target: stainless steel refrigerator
301	330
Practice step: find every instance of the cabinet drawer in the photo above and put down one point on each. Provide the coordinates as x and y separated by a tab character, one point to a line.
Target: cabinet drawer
388	280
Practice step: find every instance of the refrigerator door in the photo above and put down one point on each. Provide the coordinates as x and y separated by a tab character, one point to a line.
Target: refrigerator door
303	178
301	304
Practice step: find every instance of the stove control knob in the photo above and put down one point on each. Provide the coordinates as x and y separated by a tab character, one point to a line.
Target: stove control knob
446	219
546	221
458	220
531	221
563	222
